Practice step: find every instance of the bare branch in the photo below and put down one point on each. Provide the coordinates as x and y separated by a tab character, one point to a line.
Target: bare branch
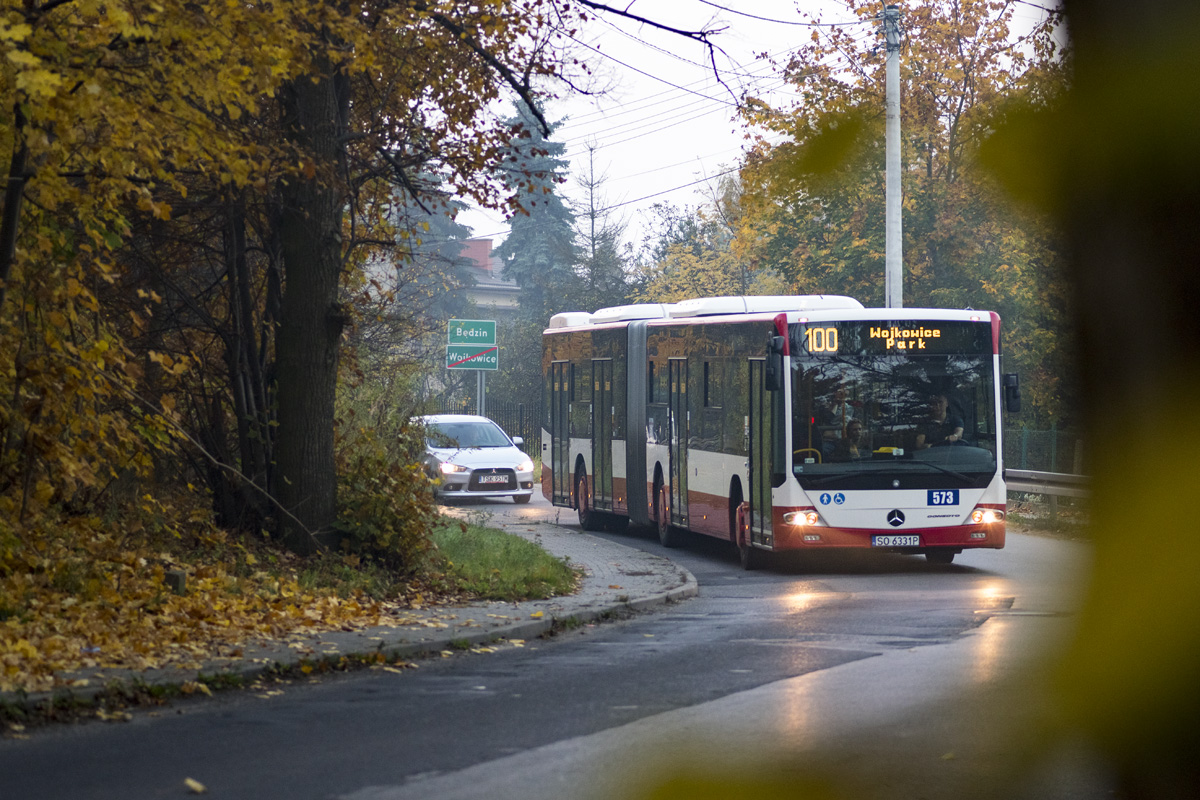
701	36
402	175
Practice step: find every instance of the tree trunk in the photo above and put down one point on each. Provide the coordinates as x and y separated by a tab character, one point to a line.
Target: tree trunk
18	176
310	319
246	379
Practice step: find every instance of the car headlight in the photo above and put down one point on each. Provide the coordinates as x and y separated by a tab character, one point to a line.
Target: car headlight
447	468
525	466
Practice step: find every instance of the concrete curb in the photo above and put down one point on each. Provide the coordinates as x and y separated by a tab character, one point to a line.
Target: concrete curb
647	582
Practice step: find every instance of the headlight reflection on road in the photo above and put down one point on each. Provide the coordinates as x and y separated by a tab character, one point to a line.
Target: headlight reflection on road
989	640
802	601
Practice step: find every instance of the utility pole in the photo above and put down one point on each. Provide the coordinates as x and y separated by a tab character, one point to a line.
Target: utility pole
893	284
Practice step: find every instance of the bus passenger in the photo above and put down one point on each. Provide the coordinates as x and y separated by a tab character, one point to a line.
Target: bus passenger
850	446
943	427
834	418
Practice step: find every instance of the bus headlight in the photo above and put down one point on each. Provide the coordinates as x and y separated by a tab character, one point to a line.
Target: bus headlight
986	516
809	517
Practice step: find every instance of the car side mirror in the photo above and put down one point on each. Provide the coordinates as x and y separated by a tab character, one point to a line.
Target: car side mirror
1012	392
518	440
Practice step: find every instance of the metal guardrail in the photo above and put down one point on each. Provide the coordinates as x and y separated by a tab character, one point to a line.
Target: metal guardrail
1055	484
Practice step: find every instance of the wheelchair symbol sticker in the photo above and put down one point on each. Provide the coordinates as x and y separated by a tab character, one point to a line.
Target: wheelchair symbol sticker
839	498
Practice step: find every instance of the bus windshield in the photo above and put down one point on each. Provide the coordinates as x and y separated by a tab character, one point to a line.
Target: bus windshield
893	405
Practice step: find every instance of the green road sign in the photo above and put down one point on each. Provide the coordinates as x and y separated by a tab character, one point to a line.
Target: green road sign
472	356
471	331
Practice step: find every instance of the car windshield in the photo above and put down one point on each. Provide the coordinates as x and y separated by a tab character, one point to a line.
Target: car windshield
465	435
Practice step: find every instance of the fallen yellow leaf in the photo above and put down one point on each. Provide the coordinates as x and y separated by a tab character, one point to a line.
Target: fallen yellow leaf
536	615
195	786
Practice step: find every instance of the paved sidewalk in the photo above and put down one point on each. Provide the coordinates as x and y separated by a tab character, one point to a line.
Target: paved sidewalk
616	577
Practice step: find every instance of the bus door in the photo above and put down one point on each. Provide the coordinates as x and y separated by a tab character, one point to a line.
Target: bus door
677	416
560	433
760	439
602	434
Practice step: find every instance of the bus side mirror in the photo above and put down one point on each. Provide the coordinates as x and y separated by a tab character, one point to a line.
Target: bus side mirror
1012	392
774	372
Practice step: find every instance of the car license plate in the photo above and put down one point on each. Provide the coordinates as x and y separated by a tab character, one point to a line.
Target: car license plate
493	479
896	541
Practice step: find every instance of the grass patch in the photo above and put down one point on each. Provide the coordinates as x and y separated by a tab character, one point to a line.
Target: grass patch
1068	519
493	565
351	575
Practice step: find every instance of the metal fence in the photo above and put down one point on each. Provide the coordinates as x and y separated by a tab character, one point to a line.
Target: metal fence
1054	450
1043	466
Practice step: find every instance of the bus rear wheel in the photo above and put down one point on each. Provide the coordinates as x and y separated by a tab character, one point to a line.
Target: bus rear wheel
589	519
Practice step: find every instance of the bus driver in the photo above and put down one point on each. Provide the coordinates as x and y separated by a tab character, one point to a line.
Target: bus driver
942	427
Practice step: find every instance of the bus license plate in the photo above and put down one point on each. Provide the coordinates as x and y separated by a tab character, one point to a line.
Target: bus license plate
493	479
896	541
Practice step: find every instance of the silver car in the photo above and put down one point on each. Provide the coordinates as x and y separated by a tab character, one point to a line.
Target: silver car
473	457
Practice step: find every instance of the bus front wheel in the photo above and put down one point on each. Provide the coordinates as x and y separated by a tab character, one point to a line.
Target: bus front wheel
940	556
750	556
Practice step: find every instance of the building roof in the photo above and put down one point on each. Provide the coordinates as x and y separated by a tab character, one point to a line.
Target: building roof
490	290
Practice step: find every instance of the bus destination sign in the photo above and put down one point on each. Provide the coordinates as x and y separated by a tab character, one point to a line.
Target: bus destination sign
902	338
896	338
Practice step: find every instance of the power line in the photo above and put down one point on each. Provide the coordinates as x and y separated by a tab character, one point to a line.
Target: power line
623	203
775	86
652	77
633	107
667	112
668	191
644	173
1034	5
673	114
663	128
671	54
786	21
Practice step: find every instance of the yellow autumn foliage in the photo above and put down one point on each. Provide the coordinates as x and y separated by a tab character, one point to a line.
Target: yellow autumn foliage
92	598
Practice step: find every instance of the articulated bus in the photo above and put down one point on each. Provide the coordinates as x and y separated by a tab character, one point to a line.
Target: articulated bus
780	424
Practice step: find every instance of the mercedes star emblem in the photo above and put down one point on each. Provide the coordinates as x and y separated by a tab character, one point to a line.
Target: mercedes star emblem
895	518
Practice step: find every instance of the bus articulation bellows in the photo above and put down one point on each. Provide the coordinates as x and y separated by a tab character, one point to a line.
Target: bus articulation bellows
780	423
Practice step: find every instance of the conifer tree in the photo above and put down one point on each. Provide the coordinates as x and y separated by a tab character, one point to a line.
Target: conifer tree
539	253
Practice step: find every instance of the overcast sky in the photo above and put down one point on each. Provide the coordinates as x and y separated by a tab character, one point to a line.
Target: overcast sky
667	127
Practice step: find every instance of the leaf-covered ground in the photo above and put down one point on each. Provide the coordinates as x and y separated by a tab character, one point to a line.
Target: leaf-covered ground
86	599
